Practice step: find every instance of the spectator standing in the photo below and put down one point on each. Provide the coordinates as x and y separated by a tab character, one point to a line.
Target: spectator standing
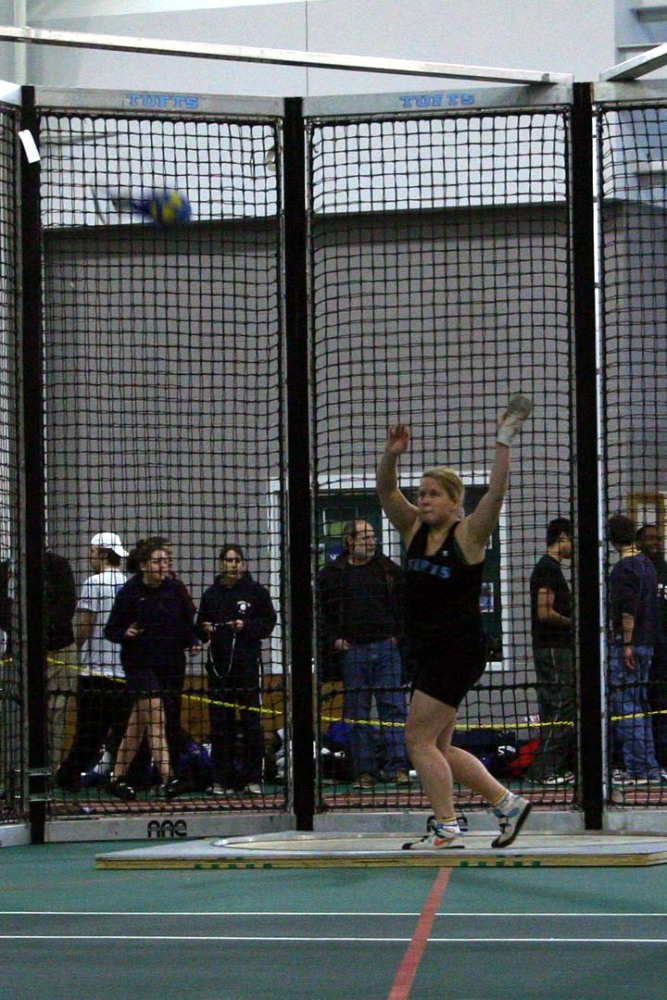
61	660
652	543
360	610
236	613
551	621
172	696
633	598
152	620
103	704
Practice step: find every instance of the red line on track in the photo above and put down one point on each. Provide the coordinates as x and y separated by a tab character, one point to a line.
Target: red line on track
413	956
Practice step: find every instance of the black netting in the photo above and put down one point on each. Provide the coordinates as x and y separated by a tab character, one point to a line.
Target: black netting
632	158
440	269
12	747
440	257
164	418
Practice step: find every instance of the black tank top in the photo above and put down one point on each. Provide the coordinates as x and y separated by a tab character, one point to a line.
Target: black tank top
442	591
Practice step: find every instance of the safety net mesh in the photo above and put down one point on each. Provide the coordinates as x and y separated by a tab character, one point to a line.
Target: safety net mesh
439	264
632	152
12	744
440	260
164	422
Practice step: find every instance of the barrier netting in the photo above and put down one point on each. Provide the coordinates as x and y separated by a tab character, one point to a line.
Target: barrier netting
439	268
632	153
164	422
12	744
440	257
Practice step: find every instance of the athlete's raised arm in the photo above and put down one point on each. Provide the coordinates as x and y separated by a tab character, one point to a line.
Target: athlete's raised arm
403	515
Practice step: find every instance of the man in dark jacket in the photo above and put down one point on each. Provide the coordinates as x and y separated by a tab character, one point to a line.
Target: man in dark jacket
61	663
235	614
633	608
551	622
650	540
360	599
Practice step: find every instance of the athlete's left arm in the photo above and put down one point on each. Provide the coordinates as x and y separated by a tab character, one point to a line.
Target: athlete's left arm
474	532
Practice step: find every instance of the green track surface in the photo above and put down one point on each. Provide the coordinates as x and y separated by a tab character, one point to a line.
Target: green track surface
601	932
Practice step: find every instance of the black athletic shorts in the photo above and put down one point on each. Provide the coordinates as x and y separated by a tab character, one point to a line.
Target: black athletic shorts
144	681
447	671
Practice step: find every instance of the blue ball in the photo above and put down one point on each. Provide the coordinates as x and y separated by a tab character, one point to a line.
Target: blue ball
168	208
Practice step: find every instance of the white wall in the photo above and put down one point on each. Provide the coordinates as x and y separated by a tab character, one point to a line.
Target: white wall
567	36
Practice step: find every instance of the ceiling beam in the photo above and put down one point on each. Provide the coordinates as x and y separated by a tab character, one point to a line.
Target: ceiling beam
279	57
638	66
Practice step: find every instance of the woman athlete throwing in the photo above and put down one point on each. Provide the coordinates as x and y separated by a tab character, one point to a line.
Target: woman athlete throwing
443	578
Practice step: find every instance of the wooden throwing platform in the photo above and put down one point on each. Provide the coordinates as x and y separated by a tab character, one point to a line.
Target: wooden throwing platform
368	850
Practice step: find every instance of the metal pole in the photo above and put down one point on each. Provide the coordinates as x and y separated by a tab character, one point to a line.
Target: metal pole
298	465
279	57
32	460
637	66
587	549
20	51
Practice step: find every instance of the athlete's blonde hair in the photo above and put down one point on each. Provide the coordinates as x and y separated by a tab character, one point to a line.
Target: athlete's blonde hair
449	480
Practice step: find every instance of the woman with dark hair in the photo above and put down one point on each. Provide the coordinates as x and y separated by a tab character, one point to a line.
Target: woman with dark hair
152	619
236	613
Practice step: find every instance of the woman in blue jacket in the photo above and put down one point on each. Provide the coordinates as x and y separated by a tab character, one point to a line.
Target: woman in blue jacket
153	620
235	613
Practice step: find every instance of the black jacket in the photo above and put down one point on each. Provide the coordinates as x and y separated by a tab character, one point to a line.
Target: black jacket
165	614
333	606
237	654
60	601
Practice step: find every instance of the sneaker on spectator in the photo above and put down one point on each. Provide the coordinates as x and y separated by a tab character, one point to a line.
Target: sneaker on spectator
553	780
403	778
178	786
629	780
221	790
121	790
254	789
68	780
364	781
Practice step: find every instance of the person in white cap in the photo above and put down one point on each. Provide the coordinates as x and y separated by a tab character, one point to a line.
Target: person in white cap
103	704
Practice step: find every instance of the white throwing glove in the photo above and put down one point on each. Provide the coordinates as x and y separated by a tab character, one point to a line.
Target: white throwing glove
518	408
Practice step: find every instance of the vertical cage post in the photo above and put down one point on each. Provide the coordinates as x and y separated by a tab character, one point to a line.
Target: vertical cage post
587	572
32	466
298	471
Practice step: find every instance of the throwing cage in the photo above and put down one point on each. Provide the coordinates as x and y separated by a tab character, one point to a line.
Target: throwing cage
347	265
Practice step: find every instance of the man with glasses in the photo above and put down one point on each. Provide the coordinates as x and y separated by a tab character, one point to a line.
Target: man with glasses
360	608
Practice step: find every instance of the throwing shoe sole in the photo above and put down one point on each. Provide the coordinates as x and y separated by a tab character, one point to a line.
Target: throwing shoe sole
511	822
